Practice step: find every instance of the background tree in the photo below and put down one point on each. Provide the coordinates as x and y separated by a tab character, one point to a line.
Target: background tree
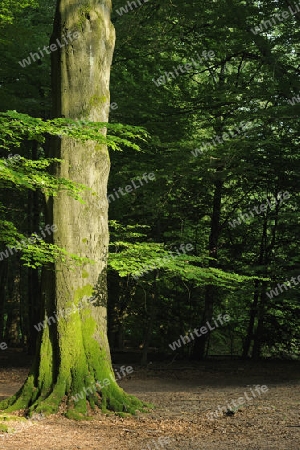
195	198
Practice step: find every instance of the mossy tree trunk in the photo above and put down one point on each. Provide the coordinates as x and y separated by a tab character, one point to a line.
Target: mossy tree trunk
73	354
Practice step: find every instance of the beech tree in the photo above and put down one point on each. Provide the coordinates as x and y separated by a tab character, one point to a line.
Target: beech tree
73	351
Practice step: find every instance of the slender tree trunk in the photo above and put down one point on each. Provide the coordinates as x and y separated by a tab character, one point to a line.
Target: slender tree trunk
73	352
3	295
151	321
257	344
260	300
255	304
33	275
13	328
252	317
200	345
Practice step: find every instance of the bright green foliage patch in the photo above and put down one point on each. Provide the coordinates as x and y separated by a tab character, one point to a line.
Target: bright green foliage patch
139	258
16	127
23	173
9	8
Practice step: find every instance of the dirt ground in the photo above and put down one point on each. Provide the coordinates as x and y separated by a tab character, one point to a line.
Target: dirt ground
183	394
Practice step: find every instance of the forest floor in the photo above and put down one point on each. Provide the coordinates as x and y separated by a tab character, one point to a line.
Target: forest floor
183	394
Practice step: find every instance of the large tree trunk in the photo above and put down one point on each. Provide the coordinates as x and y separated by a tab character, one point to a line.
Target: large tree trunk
74	353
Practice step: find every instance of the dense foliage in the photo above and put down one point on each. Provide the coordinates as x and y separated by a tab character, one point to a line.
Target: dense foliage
222	141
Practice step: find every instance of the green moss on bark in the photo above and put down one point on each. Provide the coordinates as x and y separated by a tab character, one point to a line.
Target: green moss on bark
73	368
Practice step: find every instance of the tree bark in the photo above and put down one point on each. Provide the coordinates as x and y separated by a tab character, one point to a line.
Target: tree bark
33	275
200	345
73	351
